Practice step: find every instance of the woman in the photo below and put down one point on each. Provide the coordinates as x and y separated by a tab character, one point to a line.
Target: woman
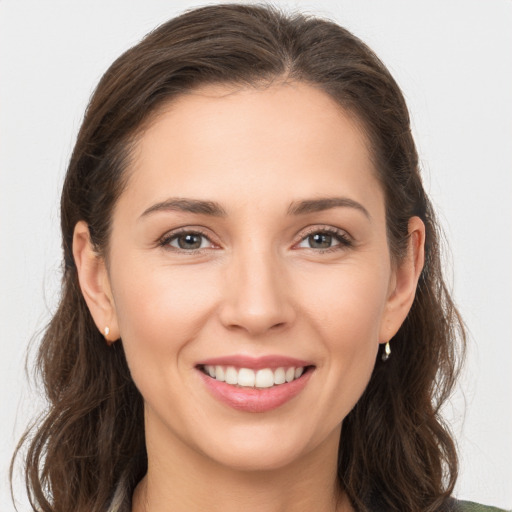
253	312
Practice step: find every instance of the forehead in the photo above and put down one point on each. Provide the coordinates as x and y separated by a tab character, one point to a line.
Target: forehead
239	142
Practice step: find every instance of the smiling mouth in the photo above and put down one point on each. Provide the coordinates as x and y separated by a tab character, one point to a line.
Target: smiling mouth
262	378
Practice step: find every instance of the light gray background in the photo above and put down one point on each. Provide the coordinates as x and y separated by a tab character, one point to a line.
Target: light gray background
453	60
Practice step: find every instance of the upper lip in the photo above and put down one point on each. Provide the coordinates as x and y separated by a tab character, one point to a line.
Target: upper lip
256	363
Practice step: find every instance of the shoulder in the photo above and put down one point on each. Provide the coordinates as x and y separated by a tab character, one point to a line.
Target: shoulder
469	506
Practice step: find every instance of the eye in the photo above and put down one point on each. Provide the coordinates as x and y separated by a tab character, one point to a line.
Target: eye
324	239
186	241
318	241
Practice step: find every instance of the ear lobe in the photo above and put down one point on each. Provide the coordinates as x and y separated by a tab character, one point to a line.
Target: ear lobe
95	283
405	281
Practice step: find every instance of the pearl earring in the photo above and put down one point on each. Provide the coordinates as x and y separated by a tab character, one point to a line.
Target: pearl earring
107	330
387	352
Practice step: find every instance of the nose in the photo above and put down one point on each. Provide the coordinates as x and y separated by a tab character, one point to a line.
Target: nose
257	296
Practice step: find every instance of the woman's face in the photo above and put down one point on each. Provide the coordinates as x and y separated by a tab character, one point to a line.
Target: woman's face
250	240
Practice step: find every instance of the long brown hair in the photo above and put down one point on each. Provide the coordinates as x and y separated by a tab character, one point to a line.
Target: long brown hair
395	452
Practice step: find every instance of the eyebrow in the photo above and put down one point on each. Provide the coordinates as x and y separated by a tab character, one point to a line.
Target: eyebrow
187	205
326	203
215	209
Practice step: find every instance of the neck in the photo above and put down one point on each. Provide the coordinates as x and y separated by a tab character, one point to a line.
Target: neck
183	480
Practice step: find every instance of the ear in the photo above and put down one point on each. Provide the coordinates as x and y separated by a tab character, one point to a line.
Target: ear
95	283
404	281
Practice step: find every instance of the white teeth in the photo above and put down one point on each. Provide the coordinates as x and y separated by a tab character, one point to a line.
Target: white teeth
231	375
264	378
219	373
279	376
246	377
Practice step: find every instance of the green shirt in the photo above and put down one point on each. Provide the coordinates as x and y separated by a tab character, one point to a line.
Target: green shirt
469	506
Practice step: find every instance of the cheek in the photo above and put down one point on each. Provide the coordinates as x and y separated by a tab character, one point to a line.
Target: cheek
161	308
348	306
346	314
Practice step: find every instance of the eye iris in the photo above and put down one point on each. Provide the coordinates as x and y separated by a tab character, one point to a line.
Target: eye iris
189	241
320	241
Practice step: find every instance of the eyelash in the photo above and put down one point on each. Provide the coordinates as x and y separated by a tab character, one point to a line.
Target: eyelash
344	240
339	235
169	237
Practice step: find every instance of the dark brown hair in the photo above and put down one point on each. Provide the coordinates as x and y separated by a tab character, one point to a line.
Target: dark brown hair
395	453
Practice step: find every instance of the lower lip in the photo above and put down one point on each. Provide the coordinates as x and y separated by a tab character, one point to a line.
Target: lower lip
255	399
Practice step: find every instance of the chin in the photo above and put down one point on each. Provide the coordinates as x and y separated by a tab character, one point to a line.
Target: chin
256	458
257	449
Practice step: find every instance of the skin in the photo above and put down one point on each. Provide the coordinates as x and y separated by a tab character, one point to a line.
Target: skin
258	285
